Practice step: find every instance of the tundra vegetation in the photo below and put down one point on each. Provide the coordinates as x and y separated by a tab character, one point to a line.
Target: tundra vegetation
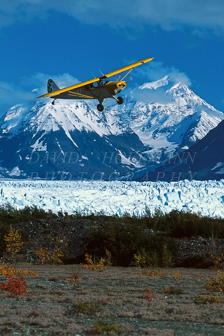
148	290
128	240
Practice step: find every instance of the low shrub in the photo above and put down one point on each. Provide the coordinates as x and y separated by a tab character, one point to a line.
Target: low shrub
176	275
87	308
154	272
15	285
130	245
104	327
6	270
173	290
73	281
199	299
149	293
93	266
215	284
144	258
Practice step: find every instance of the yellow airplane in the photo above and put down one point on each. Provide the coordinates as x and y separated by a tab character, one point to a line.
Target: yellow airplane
98	88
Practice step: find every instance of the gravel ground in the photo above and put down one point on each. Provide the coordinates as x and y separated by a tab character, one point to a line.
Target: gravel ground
118	293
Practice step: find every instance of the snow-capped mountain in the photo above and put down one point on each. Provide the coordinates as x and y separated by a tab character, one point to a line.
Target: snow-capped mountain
72	140
167	117
65	141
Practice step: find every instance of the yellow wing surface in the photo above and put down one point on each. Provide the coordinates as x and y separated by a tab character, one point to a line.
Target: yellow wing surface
109	74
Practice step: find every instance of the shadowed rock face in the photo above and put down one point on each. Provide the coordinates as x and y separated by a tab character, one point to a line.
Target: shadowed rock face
198	252
202	161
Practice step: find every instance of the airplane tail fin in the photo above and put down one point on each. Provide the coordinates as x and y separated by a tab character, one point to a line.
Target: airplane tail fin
52	86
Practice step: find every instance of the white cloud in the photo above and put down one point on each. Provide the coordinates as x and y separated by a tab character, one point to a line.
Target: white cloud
161	79
11	94
154	96
154	71
29	88
168	14
39	81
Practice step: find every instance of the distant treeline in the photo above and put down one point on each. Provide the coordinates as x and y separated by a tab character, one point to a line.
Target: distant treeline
148	235
175	224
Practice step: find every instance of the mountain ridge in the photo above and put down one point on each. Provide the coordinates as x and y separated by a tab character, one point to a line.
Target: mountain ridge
120	140
202	161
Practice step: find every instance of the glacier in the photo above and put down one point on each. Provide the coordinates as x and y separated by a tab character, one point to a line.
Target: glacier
116	197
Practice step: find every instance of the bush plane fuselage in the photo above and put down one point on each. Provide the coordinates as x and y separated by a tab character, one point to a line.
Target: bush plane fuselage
99	88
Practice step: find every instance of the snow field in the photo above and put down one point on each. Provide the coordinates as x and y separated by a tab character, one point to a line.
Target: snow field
115	197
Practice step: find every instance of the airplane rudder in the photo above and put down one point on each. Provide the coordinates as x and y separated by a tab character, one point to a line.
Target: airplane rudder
52	86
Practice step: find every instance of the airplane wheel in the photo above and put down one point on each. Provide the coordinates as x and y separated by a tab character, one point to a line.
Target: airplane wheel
120	100
100	107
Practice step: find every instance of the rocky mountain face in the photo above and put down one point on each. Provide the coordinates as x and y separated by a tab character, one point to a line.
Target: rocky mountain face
72	140
202	161
168	118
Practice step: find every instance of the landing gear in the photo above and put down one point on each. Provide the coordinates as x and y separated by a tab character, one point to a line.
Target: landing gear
53	101
100	107
120	100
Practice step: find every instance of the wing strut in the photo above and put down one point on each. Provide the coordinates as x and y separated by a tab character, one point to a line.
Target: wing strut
127	74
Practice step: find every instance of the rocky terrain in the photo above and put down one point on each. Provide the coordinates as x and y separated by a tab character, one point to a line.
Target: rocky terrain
118	301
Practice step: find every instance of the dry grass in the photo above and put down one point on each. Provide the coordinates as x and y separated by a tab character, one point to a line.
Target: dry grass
71	300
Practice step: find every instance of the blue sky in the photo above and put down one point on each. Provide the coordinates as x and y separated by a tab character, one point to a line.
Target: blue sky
70	39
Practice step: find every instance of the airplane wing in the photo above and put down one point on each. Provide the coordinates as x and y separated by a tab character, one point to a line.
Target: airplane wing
109	74
128	67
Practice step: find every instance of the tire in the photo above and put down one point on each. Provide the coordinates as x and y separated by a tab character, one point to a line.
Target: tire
100	107
120	100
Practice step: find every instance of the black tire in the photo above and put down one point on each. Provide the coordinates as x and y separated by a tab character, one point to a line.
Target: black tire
100	107
120	100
